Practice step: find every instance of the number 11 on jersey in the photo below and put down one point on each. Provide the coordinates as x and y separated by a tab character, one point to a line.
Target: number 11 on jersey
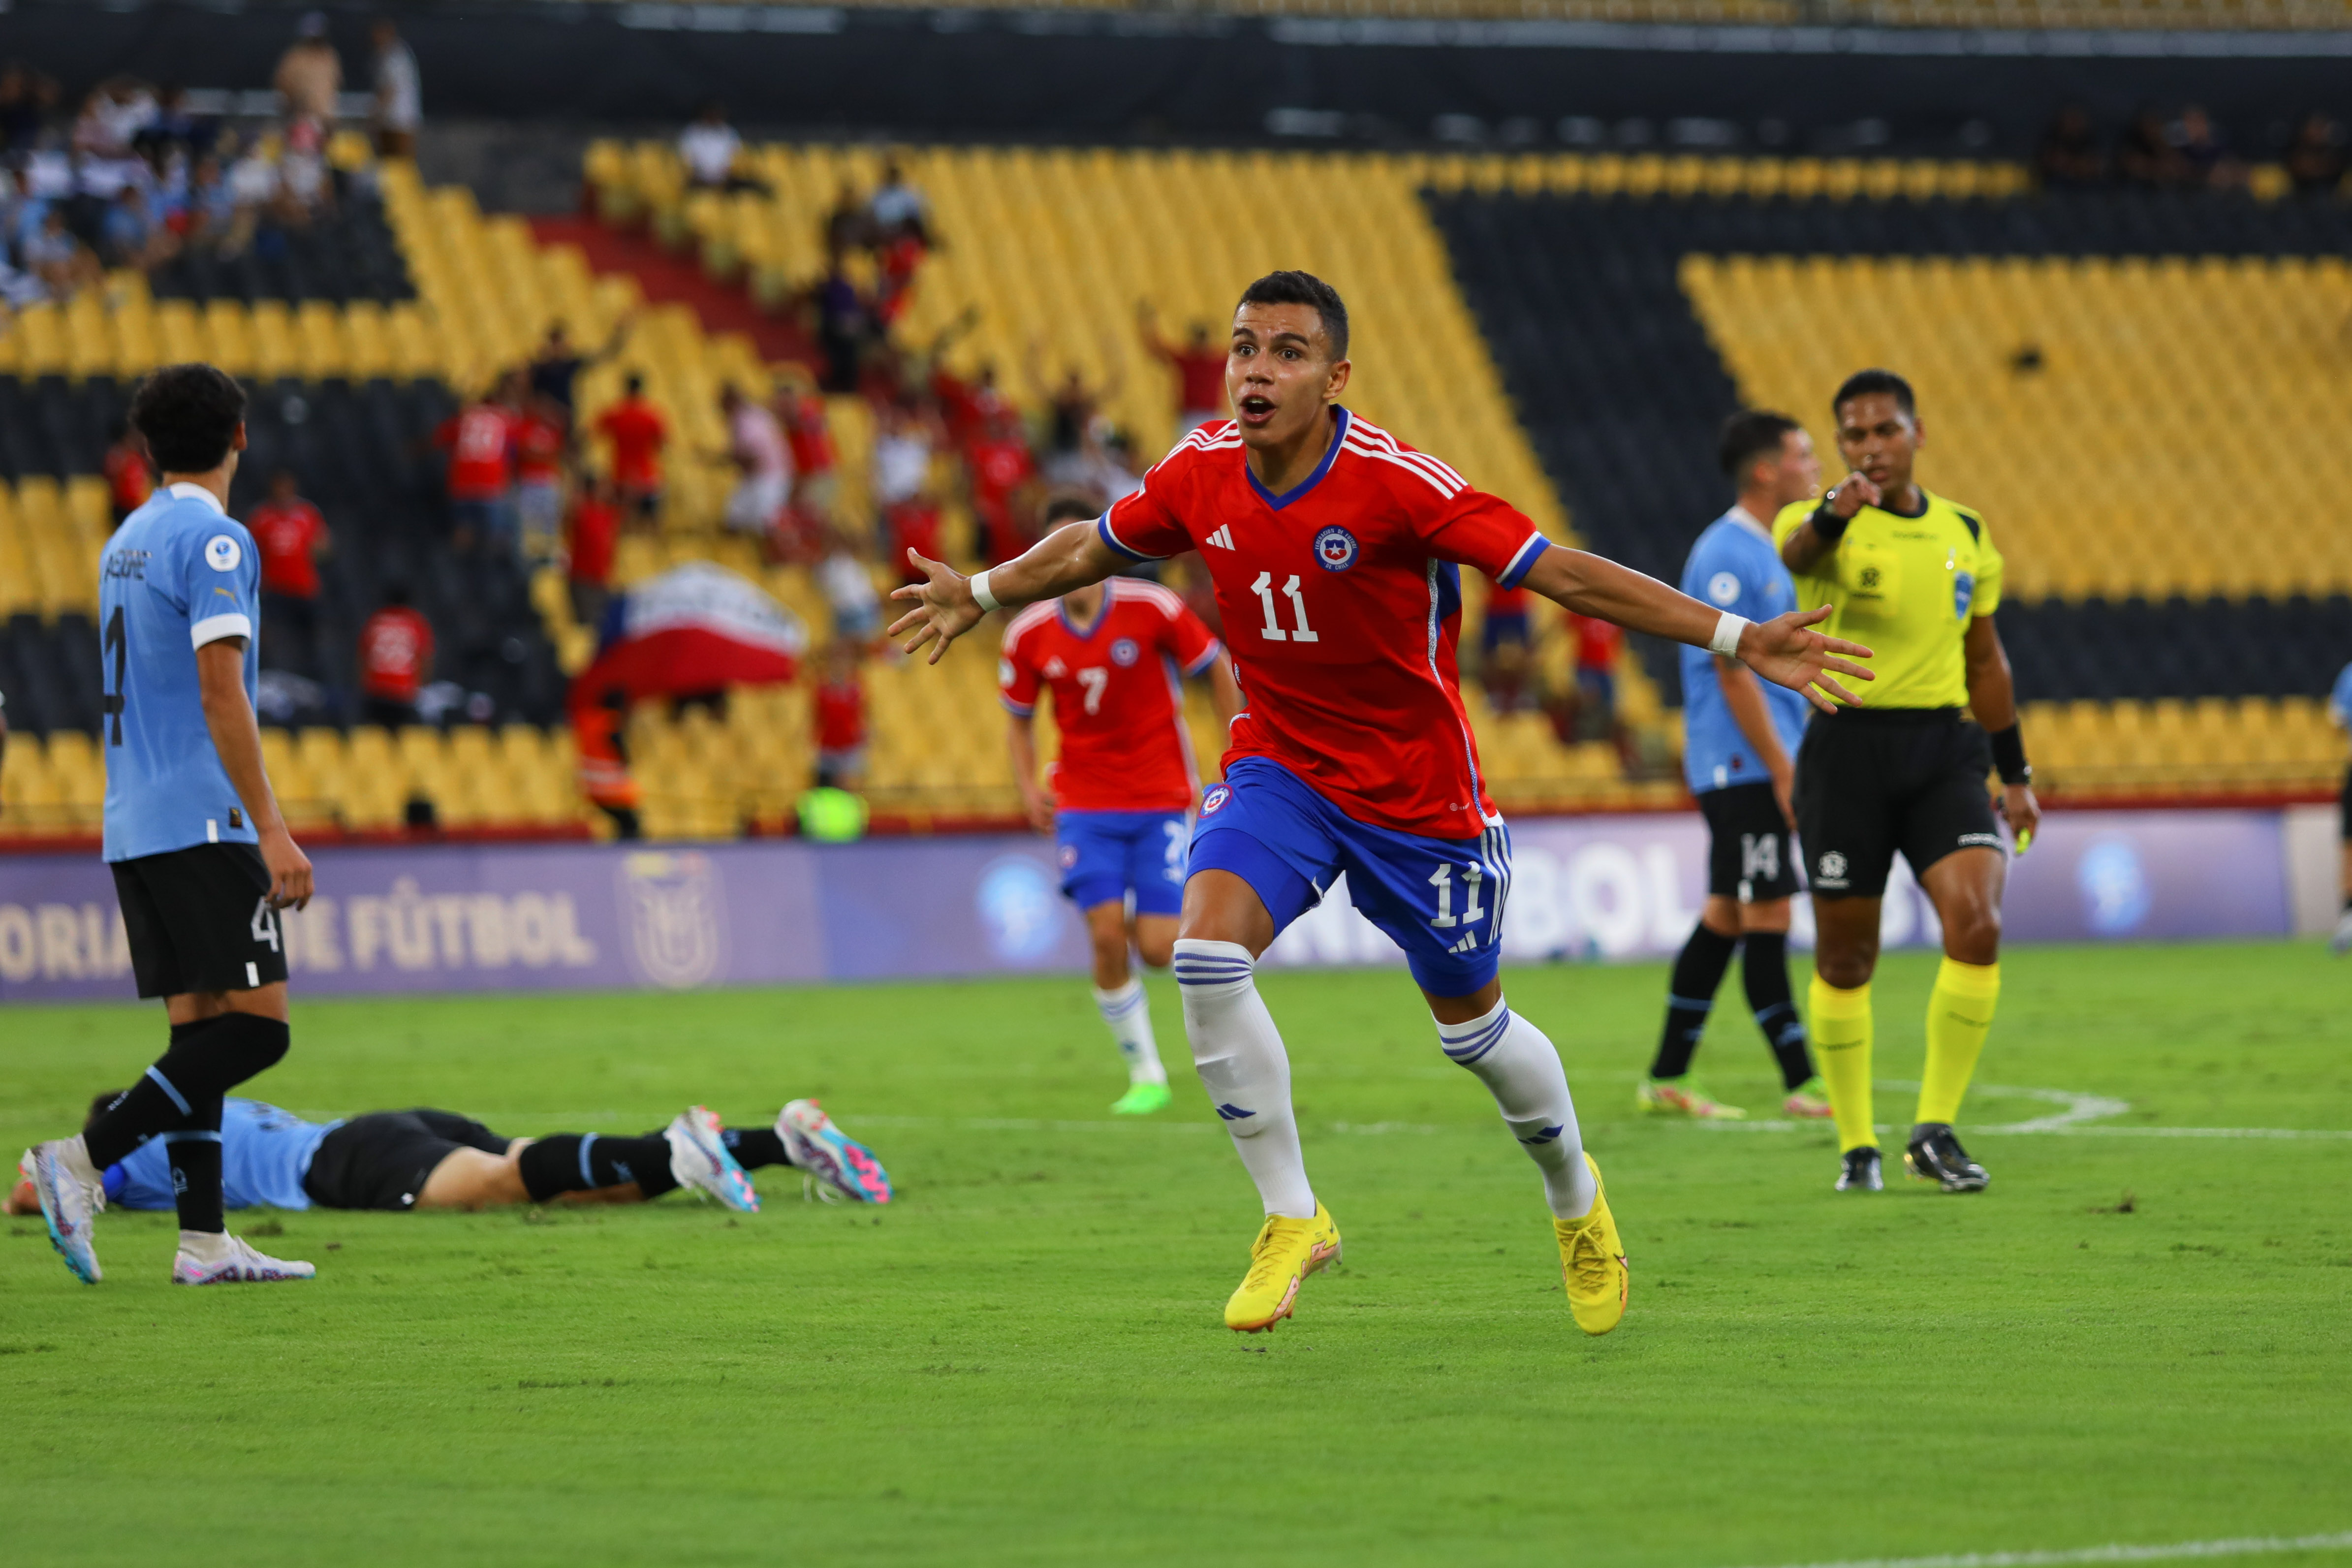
1272	630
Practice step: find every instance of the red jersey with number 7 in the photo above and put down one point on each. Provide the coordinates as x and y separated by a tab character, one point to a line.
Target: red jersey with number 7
1116	699
1342	603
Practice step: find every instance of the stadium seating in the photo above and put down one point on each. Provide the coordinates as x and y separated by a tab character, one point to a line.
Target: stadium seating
2131	14
2118	381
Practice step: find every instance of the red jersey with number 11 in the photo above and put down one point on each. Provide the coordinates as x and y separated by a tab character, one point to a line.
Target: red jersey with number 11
1342	602
1116	698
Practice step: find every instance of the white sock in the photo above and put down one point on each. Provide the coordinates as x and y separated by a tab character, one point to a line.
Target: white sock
1239	1054
1127	1012
1522	1071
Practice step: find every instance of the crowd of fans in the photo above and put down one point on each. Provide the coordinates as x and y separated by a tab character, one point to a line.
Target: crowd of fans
2184	151
132	175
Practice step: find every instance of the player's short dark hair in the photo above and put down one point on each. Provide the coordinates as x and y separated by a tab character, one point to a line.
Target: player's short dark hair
189	413
1069	507
1750	435
1305	288
1862	383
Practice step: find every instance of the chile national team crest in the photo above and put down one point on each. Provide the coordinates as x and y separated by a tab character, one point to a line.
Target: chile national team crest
1214	801
1124	652
1335	549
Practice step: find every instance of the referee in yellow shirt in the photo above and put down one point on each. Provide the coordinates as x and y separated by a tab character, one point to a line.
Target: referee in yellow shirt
1917	577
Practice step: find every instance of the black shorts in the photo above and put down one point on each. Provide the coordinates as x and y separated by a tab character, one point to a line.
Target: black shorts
380	1160
1871	782
1749	857
199	920
2344	806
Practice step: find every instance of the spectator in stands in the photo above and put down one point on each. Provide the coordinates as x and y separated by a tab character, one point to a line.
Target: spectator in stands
594	532
1071	405
843	324
902	454
763	464
2205	152
541	443
175	128
849	591
914	524
2147	156
2070	157
209	210
1005	483
289	536
310	73
26	97
112	116
1504	641
800	408
849	223
897	206
599	732
132	237
304	184
711	151
840	714
63	265
1590	708
2315	159
637	433
557	365
395	661
129	479
480	441
1200	366
399	106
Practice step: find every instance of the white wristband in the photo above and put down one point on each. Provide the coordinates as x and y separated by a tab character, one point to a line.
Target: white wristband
1726	640
979	592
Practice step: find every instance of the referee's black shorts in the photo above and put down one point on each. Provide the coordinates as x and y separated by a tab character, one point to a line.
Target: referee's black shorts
381	1161
2343	806
1750	856
199	920
1872	781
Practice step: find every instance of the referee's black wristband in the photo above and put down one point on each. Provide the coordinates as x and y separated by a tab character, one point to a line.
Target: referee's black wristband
1827	524
2009	756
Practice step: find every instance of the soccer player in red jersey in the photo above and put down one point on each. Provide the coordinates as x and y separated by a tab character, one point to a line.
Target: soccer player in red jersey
1124	788
1336	551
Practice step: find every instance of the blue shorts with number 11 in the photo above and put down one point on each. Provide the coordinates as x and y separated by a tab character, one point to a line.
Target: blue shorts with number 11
1440	899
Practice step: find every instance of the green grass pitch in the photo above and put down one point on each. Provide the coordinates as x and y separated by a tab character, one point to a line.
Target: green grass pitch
1023	1360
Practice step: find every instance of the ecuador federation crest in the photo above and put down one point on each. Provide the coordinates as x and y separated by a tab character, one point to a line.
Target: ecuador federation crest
676	914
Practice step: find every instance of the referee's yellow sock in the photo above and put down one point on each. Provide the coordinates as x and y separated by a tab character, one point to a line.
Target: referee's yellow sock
1841	1024
1960	1011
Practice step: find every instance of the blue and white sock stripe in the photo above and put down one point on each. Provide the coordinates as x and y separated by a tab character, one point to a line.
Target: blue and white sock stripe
174	1095
587	1141
1693	1004
192	1135
1123	1007
1473	1040
1211	969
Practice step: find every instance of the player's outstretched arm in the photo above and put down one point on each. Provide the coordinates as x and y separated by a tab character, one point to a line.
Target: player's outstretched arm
1785	651
944	607
237	736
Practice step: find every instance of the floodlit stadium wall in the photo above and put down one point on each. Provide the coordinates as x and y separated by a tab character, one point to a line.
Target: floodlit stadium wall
512	918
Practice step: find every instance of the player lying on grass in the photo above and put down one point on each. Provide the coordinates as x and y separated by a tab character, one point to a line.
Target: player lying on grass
407	1159
1334	550
1124	788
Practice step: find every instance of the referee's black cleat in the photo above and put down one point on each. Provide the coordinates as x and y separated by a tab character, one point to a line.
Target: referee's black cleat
1859	1172
1936	1155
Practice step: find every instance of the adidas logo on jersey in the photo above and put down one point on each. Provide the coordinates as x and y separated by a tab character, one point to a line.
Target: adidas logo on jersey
1223	538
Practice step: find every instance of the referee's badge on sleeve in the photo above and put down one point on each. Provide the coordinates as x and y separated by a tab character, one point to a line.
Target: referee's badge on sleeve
222	554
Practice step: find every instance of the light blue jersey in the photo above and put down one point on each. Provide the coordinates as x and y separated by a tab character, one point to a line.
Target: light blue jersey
265	1154
177	574
1734	568
2339	701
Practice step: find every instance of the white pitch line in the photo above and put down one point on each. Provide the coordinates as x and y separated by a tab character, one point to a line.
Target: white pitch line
2242	1546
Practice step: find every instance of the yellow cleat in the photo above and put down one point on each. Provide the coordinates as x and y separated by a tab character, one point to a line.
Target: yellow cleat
1286	1252
1592	1263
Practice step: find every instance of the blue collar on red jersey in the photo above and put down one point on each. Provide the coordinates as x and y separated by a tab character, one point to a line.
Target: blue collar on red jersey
1338	438
1102	613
